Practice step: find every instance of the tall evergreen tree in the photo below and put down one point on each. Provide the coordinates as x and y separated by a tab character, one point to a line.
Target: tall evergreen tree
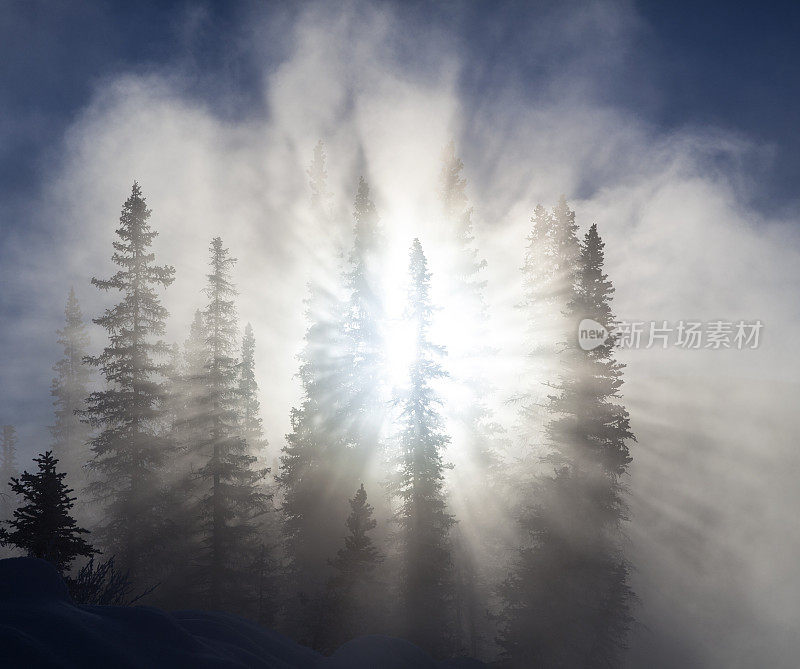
231	498
180	542
252	431
569	601
187	371
476	545
8	469
250	408
548	282
353	601
335	433
365	409
70	388
129	448
305	504
426	573
549	276
43	526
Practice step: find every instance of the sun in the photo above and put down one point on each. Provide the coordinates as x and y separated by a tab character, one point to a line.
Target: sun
401	351
400	337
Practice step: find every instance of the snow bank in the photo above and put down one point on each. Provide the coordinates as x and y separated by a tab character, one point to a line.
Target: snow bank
40	626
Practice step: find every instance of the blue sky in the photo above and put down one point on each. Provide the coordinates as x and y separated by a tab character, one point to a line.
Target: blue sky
672	125
731	65
545	98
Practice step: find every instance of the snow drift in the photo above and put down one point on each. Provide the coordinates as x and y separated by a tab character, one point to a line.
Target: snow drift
40	626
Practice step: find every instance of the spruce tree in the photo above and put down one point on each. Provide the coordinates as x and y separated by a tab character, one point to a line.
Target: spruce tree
231	498
361	373
549	276
70	388
569	600
177	504
307	478
335	437
179	544
310	515
252	431
8	469
548	281
43	526
476	546
129	447
186	385
426	573
365	408
353	600
250	408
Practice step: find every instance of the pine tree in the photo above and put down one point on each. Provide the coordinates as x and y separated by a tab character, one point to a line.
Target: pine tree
250	408
310	516
253	433
549	278
129	449
186	387
8	469
569	601
43	527
231	498
364	412
307	478
335	436
551	261
70	388
179	544
352	593
476	547
426	573
194	348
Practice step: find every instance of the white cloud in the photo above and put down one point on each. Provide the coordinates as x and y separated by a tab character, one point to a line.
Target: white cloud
680	244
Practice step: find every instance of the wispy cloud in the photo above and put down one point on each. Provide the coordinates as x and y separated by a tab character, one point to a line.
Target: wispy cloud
386	92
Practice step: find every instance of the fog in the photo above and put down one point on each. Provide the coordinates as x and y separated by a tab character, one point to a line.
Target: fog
713	494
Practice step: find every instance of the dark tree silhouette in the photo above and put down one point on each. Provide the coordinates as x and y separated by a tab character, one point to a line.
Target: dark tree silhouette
426	573
43	526
129	449
70	388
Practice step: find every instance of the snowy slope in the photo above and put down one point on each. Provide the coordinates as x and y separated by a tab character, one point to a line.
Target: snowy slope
41	627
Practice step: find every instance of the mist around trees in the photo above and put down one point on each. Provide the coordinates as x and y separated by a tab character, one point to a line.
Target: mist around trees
379	513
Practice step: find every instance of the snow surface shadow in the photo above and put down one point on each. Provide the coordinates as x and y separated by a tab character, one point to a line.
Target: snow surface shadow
40	626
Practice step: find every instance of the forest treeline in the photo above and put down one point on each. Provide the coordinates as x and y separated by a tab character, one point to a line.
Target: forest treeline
362	525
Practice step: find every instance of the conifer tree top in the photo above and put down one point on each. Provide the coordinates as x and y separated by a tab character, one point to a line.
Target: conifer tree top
43	527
